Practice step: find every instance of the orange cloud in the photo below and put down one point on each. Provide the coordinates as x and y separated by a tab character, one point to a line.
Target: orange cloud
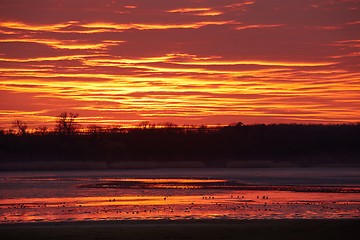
34	27
197	11
183	62
145	26
242	27
67	44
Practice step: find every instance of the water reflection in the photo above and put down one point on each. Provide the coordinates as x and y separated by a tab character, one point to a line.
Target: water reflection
108	198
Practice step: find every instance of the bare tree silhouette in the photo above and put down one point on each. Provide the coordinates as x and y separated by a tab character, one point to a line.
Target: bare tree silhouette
146	125
41	130
66	123
170	125
21	126
94	129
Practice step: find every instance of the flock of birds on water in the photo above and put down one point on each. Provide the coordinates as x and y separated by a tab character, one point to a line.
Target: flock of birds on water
228	207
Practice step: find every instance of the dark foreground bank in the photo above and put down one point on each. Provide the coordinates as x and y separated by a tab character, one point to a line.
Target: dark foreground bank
191	229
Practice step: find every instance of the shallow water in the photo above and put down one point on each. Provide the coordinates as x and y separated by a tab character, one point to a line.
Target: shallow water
180	194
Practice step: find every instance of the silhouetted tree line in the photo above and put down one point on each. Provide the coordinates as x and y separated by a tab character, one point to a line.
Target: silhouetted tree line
293	143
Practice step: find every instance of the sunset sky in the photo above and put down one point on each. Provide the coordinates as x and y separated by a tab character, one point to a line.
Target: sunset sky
187	62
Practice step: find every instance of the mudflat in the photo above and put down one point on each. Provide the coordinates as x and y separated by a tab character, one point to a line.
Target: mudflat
186	229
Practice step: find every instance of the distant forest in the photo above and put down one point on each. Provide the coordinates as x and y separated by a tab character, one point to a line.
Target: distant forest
302	145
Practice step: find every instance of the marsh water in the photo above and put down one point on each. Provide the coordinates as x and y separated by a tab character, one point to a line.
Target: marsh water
284	193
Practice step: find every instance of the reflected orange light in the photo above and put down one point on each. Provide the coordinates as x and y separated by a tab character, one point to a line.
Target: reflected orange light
167	180
226	204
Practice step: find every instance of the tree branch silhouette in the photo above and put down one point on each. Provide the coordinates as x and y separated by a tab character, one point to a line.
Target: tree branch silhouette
66	124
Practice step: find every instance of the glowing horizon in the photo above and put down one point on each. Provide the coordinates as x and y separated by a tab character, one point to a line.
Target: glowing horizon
186	62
